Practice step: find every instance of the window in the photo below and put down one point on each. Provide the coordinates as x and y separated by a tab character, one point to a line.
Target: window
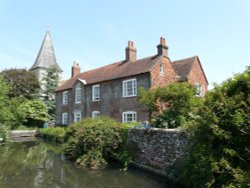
199	91
129	88
95	114
65	97
65	118
96	92
78	93
161	69
129	116
77	116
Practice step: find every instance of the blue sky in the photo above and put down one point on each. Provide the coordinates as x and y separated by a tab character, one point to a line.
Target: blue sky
95	33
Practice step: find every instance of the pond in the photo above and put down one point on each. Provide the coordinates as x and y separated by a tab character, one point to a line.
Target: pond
37	164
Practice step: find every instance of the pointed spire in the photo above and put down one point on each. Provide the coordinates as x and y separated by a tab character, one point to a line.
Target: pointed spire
46	56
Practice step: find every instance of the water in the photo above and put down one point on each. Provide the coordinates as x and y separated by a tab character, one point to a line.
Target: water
42	165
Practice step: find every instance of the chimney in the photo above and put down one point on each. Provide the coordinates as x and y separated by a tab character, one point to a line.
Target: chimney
162	48
131	52
76	69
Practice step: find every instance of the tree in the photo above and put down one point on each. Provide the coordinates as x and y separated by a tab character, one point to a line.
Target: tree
171	106
35	113
220	153
4	111
22	83
51	81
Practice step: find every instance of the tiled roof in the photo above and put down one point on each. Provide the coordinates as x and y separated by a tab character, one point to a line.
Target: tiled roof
183	67
46	56
113	71
125	69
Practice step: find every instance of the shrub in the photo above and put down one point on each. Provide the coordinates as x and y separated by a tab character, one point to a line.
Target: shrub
92	142
220	154
55	134
171	106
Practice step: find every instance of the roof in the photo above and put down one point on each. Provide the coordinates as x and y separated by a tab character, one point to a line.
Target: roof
113	71
125	69
183	67
46	57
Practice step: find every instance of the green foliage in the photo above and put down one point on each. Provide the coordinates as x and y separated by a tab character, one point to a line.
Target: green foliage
48	93
4	110
171	106
54	134
35	113
4	132
22	83
220	153
92	142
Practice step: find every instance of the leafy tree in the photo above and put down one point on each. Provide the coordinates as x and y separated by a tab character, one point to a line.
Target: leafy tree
171	106
35	113
4	110
4	89
22	83
220	153
51	81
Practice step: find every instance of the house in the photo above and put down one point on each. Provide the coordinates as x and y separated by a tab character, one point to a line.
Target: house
112	90
45	59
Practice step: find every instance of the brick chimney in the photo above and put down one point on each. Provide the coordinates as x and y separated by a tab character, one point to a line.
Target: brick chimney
130	52
76	69
162	47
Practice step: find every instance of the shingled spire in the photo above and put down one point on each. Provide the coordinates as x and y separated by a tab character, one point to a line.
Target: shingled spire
45	59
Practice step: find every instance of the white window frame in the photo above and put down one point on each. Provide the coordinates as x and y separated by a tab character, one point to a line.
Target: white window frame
77	116
125	88
199	90
65	118
125	116
162	71
96	92
95	114
65	97
78	93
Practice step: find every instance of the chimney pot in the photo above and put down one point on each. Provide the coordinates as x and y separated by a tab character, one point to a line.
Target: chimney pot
162	47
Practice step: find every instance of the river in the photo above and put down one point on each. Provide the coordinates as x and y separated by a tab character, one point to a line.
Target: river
37	164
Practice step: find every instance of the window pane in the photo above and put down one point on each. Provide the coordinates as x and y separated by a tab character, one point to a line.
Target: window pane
129	88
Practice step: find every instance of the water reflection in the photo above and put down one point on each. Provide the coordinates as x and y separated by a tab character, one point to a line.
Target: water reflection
41	165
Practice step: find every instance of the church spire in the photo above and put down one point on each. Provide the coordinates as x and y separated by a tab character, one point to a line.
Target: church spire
46	57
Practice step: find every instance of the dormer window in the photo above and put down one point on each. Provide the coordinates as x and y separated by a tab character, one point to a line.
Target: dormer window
161	69
78	93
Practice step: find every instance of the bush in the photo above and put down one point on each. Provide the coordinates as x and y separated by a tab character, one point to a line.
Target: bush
92	142
220	154
55	134
171	106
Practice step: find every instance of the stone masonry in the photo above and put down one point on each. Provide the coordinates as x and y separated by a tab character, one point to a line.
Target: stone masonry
156	149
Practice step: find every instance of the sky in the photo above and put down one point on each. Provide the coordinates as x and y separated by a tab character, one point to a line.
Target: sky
95	33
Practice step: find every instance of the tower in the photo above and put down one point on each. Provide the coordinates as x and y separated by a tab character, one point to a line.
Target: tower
45	59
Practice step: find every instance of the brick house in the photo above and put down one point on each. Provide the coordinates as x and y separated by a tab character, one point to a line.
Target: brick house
112	90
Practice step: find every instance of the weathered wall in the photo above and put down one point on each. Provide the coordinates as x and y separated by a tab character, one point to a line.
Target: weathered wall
156	149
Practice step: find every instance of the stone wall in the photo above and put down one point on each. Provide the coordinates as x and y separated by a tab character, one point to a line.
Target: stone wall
156	149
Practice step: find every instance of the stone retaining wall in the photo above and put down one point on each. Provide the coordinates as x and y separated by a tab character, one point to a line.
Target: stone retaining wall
156	149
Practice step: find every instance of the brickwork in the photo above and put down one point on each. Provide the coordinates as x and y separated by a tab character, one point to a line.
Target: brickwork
149	72
158	79
196	76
